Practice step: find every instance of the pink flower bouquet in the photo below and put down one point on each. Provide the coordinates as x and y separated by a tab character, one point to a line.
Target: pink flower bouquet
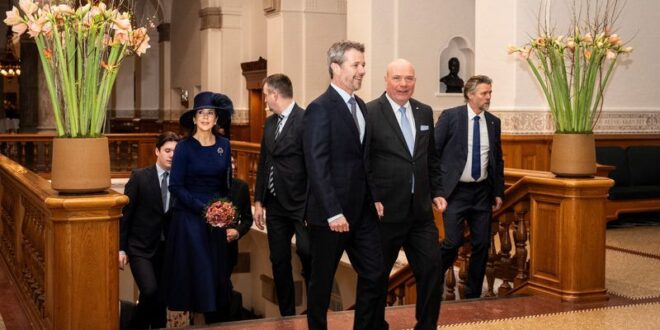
221	213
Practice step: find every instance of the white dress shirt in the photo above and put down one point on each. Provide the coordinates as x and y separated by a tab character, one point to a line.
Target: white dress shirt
285	115
409	114
484	144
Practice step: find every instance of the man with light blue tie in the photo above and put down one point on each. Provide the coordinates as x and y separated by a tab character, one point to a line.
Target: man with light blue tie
404	174
472	180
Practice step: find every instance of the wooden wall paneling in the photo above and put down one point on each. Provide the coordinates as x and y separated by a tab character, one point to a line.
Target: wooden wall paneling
254	73
544	236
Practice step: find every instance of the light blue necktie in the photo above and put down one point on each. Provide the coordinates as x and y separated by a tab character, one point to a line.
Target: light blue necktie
476	150
405	129
410	140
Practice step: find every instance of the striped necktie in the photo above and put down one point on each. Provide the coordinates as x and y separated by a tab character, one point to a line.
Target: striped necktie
271	181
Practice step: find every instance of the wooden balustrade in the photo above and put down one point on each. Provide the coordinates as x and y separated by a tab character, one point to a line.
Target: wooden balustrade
60	251
548	238
127	151
246	158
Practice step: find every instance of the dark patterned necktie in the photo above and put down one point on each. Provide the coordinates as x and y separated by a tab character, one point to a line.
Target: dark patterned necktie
353	104
163	190
476	150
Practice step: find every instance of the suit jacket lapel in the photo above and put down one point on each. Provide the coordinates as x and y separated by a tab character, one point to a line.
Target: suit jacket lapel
269	131
390	117
155	183
417	115
491	133
289	123
463	124
345	113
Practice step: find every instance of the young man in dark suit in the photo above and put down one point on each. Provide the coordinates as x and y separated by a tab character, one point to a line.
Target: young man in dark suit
472	180
340	211
143	228
281	188
404	175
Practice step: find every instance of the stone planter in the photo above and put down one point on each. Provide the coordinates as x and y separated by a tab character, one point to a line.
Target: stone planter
573	155
80	165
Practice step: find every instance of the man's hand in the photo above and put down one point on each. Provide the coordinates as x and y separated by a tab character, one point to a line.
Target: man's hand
123	260
380	209
339	225
498	204
259	215
440	204
232	235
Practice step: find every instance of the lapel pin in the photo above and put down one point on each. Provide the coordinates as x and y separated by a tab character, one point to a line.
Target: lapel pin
221	151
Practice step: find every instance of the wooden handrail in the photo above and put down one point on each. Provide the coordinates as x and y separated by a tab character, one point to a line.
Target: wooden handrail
565	220
60	251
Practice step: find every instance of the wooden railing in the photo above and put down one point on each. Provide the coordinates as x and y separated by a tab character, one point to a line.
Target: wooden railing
127	151
548	238
60	251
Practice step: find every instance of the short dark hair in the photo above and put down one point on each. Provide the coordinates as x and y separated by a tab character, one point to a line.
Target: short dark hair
165	137
471	84
338	49
281	83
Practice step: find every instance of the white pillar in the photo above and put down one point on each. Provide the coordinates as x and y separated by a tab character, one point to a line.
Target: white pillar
299	34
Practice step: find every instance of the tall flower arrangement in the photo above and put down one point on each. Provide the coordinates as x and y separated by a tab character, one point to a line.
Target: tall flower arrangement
573	70
81	48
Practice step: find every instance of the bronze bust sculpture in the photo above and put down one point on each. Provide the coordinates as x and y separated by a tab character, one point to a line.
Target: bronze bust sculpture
453	82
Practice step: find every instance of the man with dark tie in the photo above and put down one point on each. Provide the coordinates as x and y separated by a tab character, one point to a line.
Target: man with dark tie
340	211
143	227
472	180
281	188
404	174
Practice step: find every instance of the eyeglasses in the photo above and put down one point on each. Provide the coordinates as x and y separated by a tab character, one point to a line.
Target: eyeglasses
205	113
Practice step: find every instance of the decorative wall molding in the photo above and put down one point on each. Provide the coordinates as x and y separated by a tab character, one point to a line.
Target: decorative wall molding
211	18
271	7
613	122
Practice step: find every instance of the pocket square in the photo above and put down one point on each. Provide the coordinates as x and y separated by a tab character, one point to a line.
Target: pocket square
424	127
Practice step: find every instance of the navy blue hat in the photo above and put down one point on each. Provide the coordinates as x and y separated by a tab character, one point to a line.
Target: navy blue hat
221	103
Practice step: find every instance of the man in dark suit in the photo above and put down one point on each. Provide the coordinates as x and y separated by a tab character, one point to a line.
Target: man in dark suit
142	231
281	187
472	177
340	211
404	175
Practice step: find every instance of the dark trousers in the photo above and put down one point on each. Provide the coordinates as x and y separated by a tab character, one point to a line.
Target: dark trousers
419	239
151	310
281	228
469	202
362	243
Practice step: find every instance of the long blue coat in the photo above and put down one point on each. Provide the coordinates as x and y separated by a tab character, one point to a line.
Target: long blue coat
196	274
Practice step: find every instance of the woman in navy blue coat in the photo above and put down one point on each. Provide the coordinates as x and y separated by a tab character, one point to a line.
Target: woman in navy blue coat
196	272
